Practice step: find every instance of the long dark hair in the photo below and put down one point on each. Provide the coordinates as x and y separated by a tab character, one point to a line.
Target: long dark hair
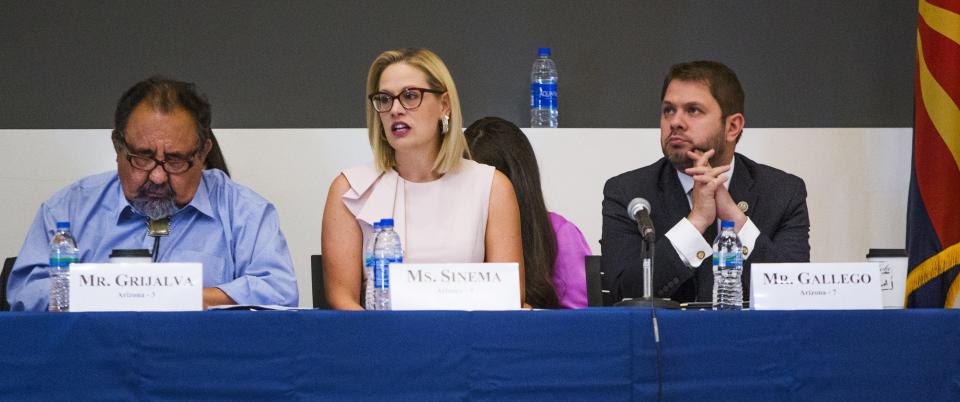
215	159
500	143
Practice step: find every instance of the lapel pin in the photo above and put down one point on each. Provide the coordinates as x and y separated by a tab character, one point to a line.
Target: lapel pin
743	206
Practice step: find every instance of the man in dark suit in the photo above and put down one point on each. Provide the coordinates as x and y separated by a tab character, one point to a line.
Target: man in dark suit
690	190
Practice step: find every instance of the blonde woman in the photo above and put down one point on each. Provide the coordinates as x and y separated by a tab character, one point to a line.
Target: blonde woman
445	208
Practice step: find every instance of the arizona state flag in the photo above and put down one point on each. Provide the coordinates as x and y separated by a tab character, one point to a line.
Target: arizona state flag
933	221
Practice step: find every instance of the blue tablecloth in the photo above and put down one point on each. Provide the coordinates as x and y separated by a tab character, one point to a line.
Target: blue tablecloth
594	354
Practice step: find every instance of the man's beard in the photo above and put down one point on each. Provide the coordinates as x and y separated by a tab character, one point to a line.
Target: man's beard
681	161
156	201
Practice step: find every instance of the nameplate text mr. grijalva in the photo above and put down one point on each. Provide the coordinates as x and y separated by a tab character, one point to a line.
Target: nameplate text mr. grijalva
136	287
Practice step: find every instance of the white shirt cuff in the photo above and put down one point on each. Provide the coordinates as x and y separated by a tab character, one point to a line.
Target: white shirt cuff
748	237
689	243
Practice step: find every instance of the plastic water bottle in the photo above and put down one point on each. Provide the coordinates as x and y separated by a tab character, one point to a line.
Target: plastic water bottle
368	268
727	269
386	251
63	251
543	91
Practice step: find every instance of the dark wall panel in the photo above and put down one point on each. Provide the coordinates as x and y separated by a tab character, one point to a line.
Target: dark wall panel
288	64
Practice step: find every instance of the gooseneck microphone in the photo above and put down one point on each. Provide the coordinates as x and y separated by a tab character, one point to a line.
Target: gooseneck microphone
639	211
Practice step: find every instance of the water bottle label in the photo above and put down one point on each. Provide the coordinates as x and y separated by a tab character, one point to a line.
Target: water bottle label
543	95
731	261
62	262
381	272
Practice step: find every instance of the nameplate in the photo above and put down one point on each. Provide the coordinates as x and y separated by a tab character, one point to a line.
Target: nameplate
491	286
815	286
136	287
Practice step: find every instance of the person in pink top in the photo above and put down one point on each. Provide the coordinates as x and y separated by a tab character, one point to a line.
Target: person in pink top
553	247
445	208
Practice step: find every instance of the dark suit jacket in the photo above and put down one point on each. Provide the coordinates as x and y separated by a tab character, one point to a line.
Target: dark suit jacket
777	206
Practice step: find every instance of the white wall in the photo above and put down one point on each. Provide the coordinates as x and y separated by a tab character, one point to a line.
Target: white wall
857	178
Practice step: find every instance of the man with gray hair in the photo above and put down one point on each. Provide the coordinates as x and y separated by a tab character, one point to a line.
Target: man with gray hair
162	137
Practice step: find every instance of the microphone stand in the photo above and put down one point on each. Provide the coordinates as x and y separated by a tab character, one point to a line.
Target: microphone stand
647	249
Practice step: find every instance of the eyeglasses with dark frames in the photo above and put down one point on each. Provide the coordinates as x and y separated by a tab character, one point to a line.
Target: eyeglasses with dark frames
410	98
171	166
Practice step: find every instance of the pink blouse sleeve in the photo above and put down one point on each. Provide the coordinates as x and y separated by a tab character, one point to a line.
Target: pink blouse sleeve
569	275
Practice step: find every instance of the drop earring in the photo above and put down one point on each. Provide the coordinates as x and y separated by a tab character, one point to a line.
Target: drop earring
444	125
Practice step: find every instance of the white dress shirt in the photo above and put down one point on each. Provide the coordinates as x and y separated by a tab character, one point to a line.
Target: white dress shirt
689	243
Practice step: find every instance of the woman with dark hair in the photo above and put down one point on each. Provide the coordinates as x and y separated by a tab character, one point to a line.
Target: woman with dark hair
553	248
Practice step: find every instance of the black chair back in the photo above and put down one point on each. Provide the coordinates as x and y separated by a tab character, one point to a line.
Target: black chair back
316	275
4	275
594	281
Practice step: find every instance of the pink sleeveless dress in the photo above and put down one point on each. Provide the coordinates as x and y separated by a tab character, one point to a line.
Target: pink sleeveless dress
444	220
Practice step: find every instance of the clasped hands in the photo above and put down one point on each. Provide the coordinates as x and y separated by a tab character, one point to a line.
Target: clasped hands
710	199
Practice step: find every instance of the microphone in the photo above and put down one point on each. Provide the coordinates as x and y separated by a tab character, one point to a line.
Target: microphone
639	211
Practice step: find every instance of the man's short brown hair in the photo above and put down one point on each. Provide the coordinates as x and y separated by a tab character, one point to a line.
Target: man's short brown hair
722	81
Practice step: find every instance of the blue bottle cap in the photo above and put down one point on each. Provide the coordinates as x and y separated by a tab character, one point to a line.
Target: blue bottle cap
543	51
377	225
724	225
63	225
386	222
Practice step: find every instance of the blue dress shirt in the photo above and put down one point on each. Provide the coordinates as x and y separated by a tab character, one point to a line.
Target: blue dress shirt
229	228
